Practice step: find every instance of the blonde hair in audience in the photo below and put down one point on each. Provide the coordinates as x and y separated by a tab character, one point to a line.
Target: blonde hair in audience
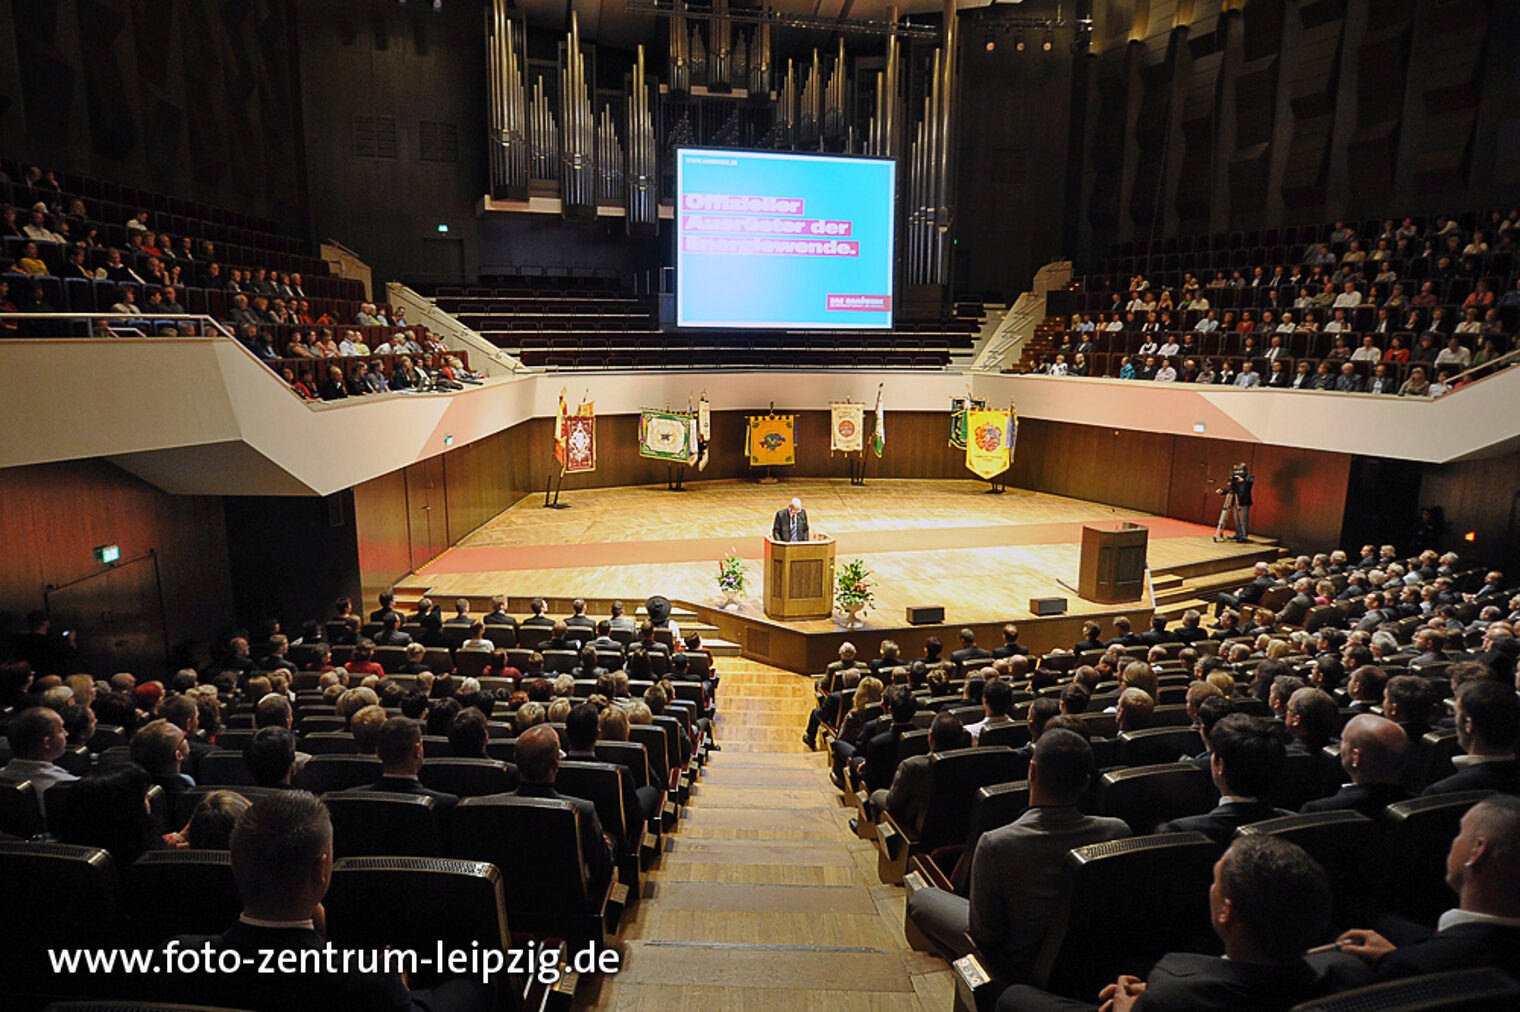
639	713
612	724
1224	682
528	715
867	693
1140	675
564	685
1276	649
559	709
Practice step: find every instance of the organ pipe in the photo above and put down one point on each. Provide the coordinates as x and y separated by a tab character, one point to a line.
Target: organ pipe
543	133
680	55
760	63
578	127
641	177
509	145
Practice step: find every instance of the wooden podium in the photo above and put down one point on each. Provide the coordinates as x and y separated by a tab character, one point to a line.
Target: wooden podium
799	578
1113	563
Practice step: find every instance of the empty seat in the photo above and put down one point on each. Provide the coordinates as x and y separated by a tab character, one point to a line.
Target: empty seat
1094	935
20	809
224	767
1146	796
181	892
323	773
369	823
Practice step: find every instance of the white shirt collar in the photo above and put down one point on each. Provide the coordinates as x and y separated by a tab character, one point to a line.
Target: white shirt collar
1452	918
1463	761
259	922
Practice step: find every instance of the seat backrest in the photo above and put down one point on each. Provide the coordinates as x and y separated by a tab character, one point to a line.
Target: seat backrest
1101	725
224	768
1158	745
77	887
468	777
610	788
1345	845
1146	796
323	773
536	842
181	892
996	806
184	803
1454	991
1417	836
382	823
1093	932
626	753
954	777
654	742
1301	779
330	743
672	728
20	809
234	739
1014	734
912	743
447	901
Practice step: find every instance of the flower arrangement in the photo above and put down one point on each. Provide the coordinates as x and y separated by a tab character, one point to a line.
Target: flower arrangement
853	586
733	578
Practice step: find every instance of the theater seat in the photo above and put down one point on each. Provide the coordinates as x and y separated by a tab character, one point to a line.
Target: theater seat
224	768
181	892
1417	836
1094	935
468	777
556	899
1146	796
458	904
1014	734
185	802
323	773
954	777
72	897
20	810
1483	990
1154	745
1345	845
610	788
370	823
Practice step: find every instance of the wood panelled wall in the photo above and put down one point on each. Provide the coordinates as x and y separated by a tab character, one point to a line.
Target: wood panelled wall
1481	496
1300	493
1294	111
54	515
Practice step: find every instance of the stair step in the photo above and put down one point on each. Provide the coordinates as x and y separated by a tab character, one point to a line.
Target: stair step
1166	582
720	647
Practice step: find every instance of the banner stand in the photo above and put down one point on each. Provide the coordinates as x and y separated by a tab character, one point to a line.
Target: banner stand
768	478
673	475
555	486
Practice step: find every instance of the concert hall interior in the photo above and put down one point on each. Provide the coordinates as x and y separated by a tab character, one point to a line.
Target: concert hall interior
750	504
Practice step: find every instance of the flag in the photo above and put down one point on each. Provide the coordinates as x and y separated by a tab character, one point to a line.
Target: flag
958	408
704	430
846	427
879	437
559	432
580	439
987	453
772	439
1013	431
667	435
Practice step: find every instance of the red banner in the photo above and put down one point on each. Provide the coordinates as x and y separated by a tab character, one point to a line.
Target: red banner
580	443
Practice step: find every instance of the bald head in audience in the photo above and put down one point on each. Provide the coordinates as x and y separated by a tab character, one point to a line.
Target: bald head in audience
1373	750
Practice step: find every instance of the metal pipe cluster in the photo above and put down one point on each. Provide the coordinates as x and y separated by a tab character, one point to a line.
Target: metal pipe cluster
578	158
642	176
508	141
543	132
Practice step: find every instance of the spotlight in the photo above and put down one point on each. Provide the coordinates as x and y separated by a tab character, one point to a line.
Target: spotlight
1050	40
991	41
1018	40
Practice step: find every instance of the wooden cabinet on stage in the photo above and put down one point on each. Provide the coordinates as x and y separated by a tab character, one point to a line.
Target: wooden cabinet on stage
799	578
1113	563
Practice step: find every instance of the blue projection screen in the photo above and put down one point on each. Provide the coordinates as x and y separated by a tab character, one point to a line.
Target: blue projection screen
780	240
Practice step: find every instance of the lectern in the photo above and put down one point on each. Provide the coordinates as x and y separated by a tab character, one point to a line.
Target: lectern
1113	563
799	578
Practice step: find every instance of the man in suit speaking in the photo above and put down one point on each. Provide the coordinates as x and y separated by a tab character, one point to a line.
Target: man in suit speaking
791	523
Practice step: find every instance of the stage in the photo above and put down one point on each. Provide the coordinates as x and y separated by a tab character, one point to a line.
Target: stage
928	541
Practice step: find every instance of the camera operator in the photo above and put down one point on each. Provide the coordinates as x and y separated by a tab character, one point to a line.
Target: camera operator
1239	491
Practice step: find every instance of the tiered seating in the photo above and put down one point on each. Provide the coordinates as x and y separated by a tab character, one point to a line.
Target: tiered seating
1223	267
493	871
596	323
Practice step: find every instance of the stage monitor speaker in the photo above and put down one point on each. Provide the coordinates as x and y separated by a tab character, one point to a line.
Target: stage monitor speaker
1047	605
925	614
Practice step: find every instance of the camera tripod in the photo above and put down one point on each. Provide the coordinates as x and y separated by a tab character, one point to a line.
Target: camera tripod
1225	511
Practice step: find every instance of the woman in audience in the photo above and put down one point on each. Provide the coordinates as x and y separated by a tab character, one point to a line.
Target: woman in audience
1079	365
1396	352
1417	385
109	809
1487	353
211	822
298	385
363	662
327	345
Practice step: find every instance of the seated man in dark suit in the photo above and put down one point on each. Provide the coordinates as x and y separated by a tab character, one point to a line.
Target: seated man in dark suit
181	711
1089	641
400	750
1310	718
282	858
1484	928
275	659
387	607
1373	753
888	658
462	612
647	640
581	732
1191	629
604	640
1157	633
1365	687
1488	724
560	639
390	634
1251	593
969	651
1124	634
791	523
1269	902
538	764
1248	755
1010	647
579	619
1408	701
270	756
1017	870
160	748
909	792
1299	604
538	619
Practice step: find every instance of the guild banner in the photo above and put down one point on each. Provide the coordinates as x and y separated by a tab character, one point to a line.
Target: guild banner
771	440
958	408
580	441
846	427
988	443
668	435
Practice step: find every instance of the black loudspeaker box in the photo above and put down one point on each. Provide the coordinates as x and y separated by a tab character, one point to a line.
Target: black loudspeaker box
925	614
1047	605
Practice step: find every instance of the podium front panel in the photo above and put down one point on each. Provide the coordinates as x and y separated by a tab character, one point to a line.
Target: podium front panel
799	579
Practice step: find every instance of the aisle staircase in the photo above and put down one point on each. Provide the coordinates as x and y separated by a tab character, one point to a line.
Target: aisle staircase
1196	584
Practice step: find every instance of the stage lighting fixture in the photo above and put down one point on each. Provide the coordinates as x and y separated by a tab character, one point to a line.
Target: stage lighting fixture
991	41
1018	41
1050	40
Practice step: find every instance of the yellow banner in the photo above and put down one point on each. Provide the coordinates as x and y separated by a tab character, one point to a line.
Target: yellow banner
987	439
772	440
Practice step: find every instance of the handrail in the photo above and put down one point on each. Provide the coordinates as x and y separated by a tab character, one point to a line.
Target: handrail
1507	359
430	315
123	318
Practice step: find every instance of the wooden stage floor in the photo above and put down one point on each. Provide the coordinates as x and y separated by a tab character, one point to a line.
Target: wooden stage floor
927	541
